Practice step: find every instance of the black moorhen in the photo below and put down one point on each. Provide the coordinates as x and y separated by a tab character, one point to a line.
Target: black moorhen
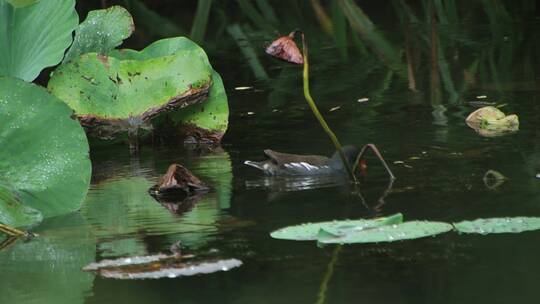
293	164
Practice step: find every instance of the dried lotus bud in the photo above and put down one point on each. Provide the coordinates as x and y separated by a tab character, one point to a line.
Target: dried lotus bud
285	48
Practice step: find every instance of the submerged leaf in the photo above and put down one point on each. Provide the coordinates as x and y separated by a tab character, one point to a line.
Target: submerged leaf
311	231
44	156
101	32
38	35
389	233
490	121
499	225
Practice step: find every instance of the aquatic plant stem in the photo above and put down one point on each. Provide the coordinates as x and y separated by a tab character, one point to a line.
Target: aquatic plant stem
318	115
321	297
12	231
8	242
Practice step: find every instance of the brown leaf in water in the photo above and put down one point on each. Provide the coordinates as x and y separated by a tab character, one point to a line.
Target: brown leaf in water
179	181
285	48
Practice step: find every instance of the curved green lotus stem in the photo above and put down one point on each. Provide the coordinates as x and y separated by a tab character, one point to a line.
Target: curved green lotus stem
318	115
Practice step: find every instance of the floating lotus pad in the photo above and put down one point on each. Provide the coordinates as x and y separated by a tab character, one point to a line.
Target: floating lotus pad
310	231
389	233
127	88
499	225
44	156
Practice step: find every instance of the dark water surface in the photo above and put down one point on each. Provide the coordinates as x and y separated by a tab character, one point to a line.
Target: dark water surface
439	169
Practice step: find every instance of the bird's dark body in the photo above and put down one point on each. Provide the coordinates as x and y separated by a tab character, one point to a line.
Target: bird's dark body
285	164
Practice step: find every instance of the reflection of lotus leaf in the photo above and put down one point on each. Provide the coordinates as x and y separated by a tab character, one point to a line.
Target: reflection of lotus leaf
122	208
48	268
490	121
215	169
44	155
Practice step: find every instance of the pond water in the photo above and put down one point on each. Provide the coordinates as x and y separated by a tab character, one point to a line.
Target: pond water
439	163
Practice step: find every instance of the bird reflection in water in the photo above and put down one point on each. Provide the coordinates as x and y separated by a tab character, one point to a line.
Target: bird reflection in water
280	185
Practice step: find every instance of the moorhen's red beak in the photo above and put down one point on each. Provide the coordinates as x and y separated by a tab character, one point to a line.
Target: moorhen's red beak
285	48
362	167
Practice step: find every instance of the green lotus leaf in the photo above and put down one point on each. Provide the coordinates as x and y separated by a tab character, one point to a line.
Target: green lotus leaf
101	32
310	231
44	155
123	93
13	212
499	225
209	118
21	3
34	37
389	233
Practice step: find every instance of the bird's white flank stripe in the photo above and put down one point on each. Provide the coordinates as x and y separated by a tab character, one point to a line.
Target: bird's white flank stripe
301	165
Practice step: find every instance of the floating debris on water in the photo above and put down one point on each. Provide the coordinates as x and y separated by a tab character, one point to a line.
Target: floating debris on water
243	88
480	103
159	266
491	122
